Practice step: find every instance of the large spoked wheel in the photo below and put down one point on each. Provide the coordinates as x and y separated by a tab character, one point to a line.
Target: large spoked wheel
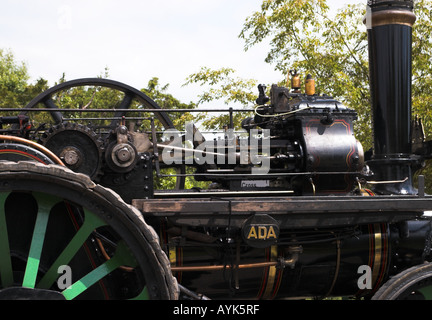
64	237
412	284
130	95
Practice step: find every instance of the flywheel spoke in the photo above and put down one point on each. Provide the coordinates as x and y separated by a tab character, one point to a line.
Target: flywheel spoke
57	116
91	222
6	274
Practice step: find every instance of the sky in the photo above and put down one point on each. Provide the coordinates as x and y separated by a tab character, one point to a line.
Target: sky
135	39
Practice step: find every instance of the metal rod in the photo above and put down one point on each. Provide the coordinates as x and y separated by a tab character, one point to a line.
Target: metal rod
125	110
163	146
221	193
249	175
107	118
389	181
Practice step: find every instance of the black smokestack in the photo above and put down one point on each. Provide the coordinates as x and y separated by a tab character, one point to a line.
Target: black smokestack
389	26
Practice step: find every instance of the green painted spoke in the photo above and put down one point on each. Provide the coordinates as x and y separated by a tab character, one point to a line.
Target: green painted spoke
91	222
121	257
6	274
45	203
144	295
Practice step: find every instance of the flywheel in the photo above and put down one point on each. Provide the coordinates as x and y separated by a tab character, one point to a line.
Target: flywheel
64	237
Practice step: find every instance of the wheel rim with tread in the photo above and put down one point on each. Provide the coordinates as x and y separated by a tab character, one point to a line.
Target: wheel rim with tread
52	217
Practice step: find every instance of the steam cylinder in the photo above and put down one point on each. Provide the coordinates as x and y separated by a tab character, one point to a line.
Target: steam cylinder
389	26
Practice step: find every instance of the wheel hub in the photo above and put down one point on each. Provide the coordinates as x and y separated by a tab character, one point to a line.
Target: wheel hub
71	156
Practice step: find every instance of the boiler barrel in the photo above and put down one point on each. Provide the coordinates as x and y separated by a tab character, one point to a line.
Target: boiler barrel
327	267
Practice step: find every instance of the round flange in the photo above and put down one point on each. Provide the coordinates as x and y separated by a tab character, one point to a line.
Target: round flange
121	157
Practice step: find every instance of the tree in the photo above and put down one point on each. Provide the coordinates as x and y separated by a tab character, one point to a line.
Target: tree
422	63
165	100
220	84
15	91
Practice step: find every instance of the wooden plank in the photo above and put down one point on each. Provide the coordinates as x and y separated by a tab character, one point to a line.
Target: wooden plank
285	205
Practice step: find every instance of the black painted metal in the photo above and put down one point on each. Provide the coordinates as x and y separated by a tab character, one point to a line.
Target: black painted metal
391	89
390	80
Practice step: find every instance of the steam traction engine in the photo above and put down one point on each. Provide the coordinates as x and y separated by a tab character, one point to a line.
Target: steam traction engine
294	208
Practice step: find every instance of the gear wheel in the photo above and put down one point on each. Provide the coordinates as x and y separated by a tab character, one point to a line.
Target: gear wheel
78	146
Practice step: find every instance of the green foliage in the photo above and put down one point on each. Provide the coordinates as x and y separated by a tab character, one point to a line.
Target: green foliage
422	63
159	94
422	74
15	91
13	77
221	85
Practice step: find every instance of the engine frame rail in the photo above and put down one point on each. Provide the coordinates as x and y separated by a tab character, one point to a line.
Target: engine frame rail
290	212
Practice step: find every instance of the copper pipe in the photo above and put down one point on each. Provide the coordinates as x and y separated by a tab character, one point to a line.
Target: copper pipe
221	267
34	145
281	262
107	257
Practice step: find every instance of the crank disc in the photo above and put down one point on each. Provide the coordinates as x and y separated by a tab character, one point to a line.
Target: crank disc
64	237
